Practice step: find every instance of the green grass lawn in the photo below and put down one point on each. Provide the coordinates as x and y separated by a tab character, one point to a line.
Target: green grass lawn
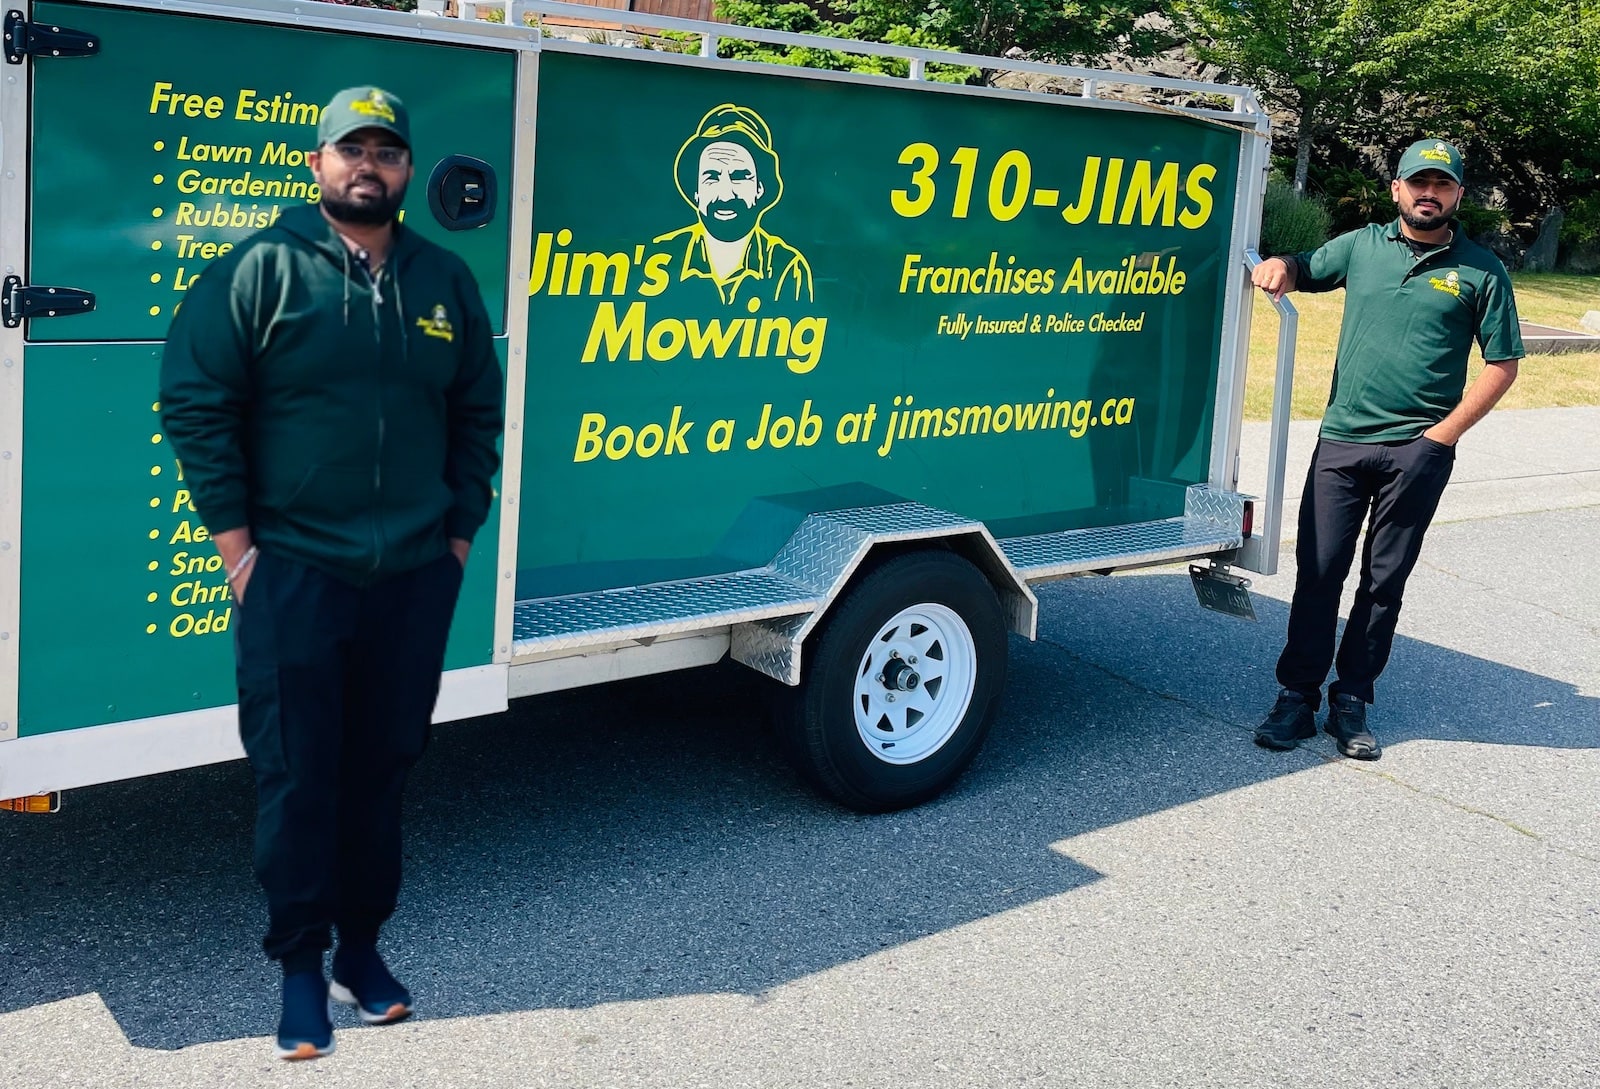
1543	381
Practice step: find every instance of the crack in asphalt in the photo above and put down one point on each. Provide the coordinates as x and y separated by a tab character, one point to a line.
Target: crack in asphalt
1489	588
1463	807
1310	759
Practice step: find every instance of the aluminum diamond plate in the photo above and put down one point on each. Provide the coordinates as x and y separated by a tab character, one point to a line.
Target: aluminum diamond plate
1051	555
826	550
642	612
1226	508
771	610
772	646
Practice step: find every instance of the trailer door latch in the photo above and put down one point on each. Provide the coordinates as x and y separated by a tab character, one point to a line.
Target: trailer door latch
24	39
18	302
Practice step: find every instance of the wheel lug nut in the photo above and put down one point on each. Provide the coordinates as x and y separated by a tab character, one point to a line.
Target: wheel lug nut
889	698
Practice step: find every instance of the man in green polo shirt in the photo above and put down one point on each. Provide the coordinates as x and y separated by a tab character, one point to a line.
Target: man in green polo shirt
1417	293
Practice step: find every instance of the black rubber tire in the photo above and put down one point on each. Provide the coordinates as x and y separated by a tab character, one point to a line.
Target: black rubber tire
817	721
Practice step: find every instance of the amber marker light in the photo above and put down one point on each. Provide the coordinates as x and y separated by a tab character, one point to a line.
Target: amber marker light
33	803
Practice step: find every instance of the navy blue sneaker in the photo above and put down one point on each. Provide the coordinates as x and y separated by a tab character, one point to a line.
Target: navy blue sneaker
362	980
305	1031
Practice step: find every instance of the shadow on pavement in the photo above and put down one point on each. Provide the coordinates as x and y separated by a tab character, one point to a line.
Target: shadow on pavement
644	840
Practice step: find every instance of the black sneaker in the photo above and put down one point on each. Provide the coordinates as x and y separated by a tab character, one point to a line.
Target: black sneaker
362	980
1347	725
1290	721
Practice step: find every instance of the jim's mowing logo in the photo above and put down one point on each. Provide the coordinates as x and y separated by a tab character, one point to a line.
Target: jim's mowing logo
1451	283
728	172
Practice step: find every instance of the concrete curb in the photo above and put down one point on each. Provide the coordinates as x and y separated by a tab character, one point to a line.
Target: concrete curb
1515	461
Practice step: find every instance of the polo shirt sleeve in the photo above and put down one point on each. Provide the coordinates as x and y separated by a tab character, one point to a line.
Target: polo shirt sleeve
1499	330
1326	267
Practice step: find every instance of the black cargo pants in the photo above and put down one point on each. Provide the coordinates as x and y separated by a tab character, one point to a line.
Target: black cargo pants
336	691
1394	488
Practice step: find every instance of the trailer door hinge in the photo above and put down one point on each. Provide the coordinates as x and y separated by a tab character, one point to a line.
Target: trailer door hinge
25	39
18	302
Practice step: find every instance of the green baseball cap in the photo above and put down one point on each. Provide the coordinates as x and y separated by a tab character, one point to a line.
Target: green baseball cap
1433	155
363	108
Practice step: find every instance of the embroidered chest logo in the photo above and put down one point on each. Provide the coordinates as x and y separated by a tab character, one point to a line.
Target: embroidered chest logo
439	324
1450	282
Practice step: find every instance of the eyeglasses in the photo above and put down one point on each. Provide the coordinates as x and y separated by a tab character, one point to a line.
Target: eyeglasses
385	155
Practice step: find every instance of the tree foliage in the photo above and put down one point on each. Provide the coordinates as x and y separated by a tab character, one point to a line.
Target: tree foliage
800	18
1313	58
1515	83
1063	30
1518	80
1046	30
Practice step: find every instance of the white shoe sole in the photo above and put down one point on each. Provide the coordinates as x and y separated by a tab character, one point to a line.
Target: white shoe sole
338	992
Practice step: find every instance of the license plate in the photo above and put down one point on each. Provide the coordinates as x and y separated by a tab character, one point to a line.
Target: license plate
1222	593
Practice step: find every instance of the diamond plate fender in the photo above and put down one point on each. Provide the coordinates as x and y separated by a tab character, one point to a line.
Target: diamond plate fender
828	549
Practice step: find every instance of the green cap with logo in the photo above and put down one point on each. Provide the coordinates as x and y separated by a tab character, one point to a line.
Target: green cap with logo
1433	155
357	108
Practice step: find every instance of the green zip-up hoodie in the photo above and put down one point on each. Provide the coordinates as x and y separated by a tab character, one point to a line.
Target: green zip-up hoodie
350	422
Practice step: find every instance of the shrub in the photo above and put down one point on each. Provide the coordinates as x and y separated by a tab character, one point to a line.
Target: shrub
1355	198
1291	223
1477	221
1582	221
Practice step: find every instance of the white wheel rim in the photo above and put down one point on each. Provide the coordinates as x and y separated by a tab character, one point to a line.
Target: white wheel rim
904	719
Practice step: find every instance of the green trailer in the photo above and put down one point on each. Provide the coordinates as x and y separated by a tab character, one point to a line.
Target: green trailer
830	404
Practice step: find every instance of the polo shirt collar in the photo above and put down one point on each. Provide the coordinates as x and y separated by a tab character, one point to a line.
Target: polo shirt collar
1394	234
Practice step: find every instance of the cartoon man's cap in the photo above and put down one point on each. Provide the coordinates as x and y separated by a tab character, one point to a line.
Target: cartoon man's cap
735	125
1433	155
357	108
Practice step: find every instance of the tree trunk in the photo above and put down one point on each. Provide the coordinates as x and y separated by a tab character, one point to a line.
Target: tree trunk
1302	148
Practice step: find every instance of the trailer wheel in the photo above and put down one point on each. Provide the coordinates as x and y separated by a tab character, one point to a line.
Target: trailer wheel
902	680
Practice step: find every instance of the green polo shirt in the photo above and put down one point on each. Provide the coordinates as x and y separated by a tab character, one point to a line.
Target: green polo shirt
1409	323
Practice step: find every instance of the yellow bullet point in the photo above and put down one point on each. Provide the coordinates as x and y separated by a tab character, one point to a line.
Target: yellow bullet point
158	179
156	502
155	277
151	598
150	629
156	245
161	145
155	406
155	439
154	310
154	533
153	565
155	213
155	470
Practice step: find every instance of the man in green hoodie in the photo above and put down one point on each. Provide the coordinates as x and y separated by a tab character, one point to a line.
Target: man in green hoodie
332	392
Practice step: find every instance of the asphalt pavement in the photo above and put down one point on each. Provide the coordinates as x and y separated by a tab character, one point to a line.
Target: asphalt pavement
626	886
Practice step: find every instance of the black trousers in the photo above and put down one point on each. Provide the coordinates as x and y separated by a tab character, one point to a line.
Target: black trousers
1394	488
336	691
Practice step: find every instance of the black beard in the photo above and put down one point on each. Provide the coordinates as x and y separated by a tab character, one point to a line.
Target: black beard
728	230
1420	222
371	212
